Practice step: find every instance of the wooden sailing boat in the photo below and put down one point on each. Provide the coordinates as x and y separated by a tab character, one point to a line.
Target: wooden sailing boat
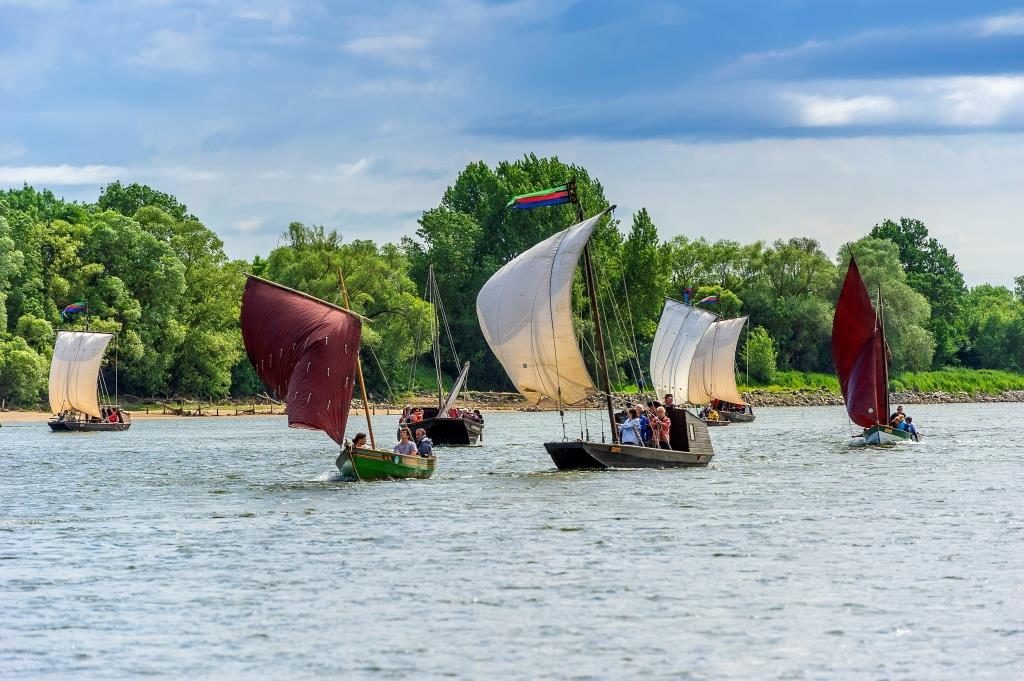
306	352
693	357
525	312
78	396
445	426
861	357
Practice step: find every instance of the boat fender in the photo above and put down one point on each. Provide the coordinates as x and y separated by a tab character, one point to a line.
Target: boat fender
396	458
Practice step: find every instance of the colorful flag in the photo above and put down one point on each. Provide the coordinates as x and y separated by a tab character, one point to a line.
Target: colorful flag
545	197
709	299
73	308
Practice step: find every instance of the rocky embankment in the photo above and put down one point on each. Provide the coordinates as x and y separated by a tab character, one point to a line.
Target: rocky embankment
823	398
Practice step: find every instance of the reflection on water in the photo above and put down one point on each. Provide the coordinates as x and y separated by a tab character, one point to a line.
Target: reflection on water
228	548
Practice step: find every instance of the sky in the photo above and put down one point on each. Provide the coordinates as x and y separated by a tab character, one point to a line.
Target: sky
725	119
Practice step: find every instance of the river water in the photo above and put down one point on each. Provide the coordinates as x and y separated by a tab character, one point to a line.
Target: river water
227	548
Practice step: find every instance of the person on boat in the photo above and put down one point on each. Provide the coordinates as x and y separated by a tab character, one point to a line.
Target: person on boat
669	401
359	440
645	428
908	425
406	415
477	416
662	426
629	429
417	415
424	445
897	422
453	413
713	415
114	416
898	413
405	446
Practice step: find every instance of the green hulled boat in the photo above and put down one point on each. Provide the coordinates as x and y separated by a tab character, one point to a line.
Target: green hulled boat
361	463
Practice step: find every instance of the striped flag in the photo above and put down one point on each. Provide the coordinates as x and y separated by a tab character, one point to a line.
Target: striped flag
73	308
545	197
709	299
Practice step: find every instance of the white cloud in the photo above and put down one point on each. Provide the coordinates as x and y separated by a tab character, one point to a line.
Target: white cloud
1006	24
174	51
982	101
817	110
63	174
248	224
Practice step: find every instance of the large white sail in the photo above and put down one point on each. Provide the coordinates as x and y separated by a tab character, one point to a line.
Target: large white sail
525	312
713	372
75	369
680	330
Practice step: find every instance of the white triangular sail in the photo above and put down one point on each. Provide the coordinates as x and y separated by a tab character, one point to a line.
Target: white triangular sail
449	400
713	371
74	371
525	312
680	330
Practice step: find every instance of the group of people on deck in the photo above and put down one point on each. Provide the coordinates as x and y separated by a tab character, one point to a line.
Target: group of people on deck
413	415
901	421
422	446
647	425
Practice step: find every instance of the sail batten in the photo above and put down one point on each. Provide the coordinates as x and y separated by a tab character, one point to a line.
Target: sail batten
305	352
858	352
74	371
525	313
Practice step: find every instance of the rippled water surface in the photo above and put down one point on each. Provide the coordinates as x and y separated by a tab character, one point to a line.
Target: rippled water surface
227	548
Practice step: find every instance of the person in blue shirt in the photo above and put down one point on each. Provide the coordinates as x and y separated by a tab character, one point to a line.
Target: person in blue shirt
424	445
629	429
908	425
646	434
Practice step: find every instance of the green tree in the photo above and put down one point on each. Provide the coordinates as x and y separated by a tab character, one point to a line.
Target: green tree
23	372
933	272
759	355
129	200
905	312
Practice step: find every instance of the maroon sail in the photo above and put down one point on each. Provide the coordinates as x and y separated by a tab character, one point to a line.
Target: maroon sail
305	352
859	353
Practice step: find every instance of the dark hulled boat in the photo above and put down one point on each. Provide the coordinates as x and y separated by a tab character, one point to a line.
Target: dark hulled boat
525	313
443	428
76	386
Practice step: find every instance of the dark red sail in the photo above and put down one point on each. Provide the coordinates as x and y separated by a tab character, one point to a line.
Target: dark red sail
858	351
305	351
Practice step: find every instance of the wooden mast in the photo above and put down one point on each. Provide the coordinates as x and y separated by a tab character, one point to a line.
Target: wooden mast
588	269
883	419
359	374
436	328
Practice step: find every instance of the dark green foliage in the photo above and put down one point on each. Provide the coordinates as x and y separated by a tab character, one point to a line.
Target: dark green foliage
931	271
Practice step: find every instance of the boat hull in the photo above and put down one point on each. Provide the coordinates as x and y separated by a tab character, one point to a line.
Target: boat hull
447	432
572	456
372	464
712	424
737	416
885	435
691	448
87	426
632	456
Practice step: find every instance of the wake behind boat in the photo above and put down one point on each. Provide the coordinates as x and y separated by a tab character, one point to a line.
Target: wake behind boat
525	313
76	385
861	357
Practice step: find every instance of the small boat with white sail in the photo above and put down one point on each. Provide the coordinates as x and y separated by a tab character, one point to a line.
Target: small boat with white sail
694	358
78	393
445	424
525	313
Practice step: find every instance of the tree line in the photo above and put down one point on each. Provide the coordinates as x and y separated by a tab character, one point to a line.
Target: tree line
157	276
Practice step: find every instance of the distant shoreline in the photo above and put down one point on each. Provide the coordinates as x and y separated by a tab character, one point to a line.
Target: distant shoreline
496	402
